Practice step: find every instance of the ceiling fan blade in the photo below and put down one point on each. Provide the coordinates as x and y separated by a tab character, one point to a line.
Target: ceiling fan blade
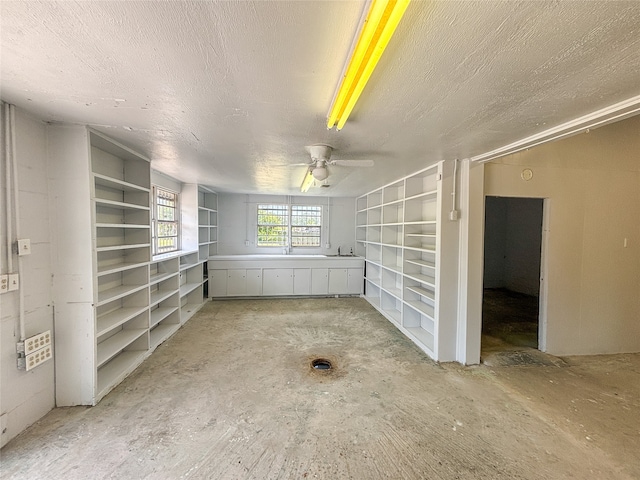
352	163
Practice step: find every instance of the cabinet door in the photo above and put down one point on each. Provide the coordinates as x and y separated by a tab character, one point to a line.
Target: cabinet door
236	282
277	281
301	281
355	281
254	282
319	281
337	280
218	283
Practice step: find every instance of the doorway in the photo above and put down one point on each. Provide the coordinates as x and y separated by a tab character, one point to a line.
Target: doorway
511	282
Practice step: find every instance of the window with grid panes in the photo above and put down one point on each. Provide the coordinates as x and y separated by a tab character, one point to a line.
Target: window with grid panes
273	225
166	221
281	226
305	225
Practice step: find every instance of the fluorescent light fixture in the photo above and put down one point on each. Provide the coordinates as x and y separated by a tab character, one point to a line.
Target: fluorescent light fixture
308	180
382	19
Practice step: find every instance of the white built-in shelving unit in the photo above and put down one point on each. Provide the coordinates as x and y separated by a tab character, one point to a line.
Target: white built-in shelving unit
207	230
207	223
114	303
397	231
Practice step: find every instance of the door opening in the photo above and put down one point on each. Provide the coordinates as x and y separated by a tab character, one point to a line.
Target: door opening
512	262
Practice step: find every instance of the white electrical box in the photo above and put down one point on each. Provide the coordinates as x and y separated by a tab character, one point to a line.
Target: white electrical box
24	247
14	282
35	351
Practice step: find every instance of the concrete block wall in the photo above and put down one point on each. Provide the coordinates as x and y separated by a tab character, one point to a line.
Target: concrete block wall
26	396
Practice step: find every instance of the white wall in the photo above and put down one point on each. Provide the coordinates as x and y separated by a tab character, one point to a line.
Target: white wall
592	280
237	221
27	396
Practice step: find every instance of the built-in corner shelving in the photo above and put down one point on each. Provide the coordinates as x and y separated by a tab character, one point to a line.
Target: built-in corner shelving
207	223
164	299
114	303
397	231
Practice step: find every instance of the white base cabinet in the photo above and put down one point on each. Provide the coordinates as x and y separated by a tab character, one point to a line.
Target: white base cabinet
319	281
277	281
337	280
301	281
254	276
355	281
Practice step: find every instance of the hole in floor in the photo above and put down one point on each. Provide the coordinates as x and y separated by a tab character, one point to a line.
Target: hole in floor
321	364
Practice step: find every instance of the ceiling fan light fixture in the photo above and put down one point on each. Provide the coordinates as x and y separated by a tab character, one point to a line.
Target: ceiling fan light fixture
307	181
320	173
381	21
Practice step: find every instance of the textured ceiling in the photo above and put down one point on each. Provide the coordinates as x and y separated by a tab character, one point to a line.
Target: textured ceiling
229	93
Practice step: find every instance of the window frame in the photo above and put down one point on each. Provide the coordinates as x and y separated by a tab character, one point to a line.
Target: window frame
155	222
272	210
293	225
288	225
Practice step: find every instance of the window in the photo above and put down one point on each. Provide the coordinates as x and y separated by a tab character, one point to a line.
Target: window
166	224
273	225
281	225
305	225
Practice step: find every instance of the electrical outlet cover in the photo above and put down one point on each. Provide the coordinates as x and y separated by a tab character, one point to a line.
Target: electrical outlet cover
37	342
24	247
39	357
14	281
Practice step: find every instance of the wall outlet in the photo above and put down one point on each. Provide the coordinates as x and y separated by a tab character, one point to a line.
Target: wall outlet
39	357
37	342
14	281
4	283
24	247
327	245
246	243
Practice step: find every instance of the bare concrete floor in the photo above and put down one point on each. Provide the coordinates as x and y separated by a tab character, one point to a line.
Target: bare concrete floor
232	396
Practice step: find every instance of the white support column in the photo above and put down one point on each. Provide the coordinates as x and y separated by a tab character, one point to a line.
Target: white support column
470	262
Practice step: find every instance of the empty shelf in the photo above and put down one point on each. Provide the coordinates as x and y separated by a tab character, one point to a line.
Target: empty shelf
118	292
422	292
111	320
160	314
422	336
112	345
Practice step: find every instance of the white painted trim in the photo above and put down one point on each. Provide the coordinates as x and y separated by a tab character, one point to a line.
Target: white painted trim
543	292
471	263
463	265
610	114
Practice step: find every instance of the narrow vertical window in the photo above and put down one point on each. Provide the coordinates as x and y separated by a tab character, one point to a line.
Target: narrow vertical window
166	221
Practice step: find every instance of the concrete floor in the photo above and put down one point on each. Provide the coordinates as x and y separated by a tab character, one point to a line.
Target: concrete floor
511	317
232	396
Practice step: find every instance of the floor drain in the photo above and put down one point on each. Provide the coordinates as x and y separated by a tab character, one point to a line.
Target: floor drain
321	364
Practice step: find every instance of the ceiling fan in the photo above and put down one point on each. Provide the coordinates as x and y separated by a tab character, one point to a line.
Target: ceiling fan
321	159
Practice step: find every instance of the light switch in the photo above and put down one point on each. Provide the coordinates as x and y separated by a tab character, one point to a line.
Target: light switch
24	247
